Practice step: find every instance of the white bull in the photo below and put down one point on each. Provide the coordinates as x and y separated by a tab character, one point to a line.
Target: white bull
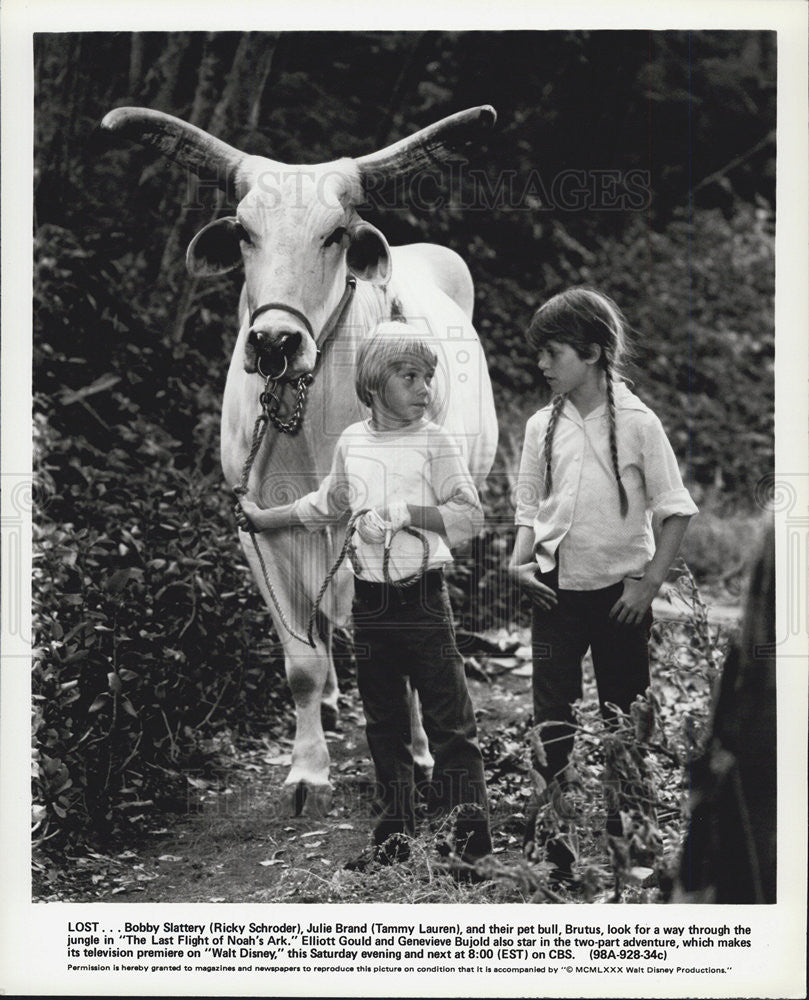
298	235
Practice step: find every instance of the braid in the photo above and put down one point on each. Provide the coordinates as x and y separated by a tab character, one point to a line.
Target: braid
583	319
558	403
614	440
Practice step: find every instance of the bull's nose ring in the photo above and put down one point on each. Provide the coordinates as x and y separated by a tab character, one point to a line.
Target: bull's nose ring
272	375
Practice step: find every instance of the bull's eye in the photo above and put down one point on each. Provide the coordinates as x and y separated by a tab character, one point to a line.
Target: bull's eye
336	236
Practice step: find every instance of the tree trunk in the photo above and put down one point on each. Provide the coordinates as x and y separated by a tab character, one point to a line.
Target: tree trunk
220	124
205	94
410	72
135	64
168	69
263	71
60	102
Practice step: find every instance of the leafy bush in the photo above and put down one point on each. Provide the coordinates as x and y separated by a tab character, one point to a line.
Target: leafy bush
148	632
700	296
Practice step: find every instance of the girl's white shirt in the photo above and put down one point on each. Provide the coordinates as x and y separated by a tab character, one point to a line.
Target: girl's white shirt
579	526
420	464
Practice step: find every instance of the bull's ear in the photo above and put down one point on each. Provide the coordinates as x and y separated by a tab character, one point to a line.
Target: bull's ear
369	254
215	249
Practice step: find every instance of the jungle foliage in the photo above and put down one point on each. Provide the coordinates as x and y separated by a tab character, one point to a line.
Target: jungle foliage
639	162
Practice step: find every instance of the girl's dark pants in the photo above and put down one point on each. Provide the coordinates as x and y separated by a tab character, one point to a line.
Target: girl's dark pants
407	632
560	637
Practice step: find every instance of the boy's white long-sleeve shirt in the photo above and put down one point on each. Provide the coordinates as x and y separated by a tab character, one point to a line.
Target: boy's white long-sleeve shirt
421	465
580	525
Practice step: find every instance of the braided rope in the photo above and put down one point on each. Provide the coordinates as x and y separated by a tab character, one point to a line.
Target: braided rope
614	441
344	551
425	558
331	573
550	430
259	429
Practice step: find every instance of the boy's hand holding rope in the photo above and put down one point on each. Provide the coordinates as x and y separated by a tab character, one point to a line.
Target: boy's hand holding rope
374	529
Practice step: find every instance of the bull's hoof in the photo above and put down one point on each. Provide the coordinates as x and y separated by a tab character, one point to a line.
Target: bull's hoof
302	798
422	774
328	718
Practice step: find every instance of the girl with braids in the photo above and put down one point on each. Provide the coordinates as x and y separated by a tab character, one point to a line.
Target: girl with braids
596	470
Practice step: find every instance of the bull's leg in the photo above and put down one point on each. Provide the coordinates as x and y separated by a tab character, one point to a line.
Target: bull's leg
420	748
328	700
292	563
307	789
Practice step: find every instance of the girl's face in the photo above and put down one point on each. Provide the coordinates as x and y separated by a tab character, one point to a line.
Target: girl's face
564	370
405	397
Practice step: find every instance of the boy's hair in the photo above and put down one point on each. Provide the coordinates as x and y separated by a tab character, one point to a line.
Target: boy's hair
583	318
392	345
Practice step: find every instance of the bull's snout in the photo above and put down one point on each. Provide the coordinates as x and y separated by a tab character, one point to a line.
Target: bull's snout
289	344
286	345
278	341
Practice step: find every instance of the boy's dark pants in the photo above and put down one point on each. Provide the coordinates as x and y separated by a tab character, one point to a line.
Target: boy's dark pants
561	636
402	633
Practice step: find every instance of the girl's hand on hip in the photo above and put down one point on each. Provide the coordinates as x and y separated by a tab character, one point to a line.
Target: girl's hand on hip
525	576
634	602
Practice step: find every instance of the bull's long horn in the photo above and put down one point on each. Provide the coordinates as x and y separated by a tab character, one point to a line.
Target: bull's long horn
186	144
436	144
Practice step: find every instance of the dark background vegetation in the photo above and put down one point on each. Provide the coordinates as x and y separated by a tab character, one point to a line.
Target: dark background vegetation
150	637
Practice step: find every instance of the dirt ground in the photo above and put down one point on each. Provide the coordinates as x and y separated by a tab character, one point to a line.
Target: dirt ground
234	843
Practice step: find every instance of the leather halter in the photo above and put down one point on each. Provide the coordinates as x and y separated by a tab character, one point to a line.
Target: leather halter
285	308
328	326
